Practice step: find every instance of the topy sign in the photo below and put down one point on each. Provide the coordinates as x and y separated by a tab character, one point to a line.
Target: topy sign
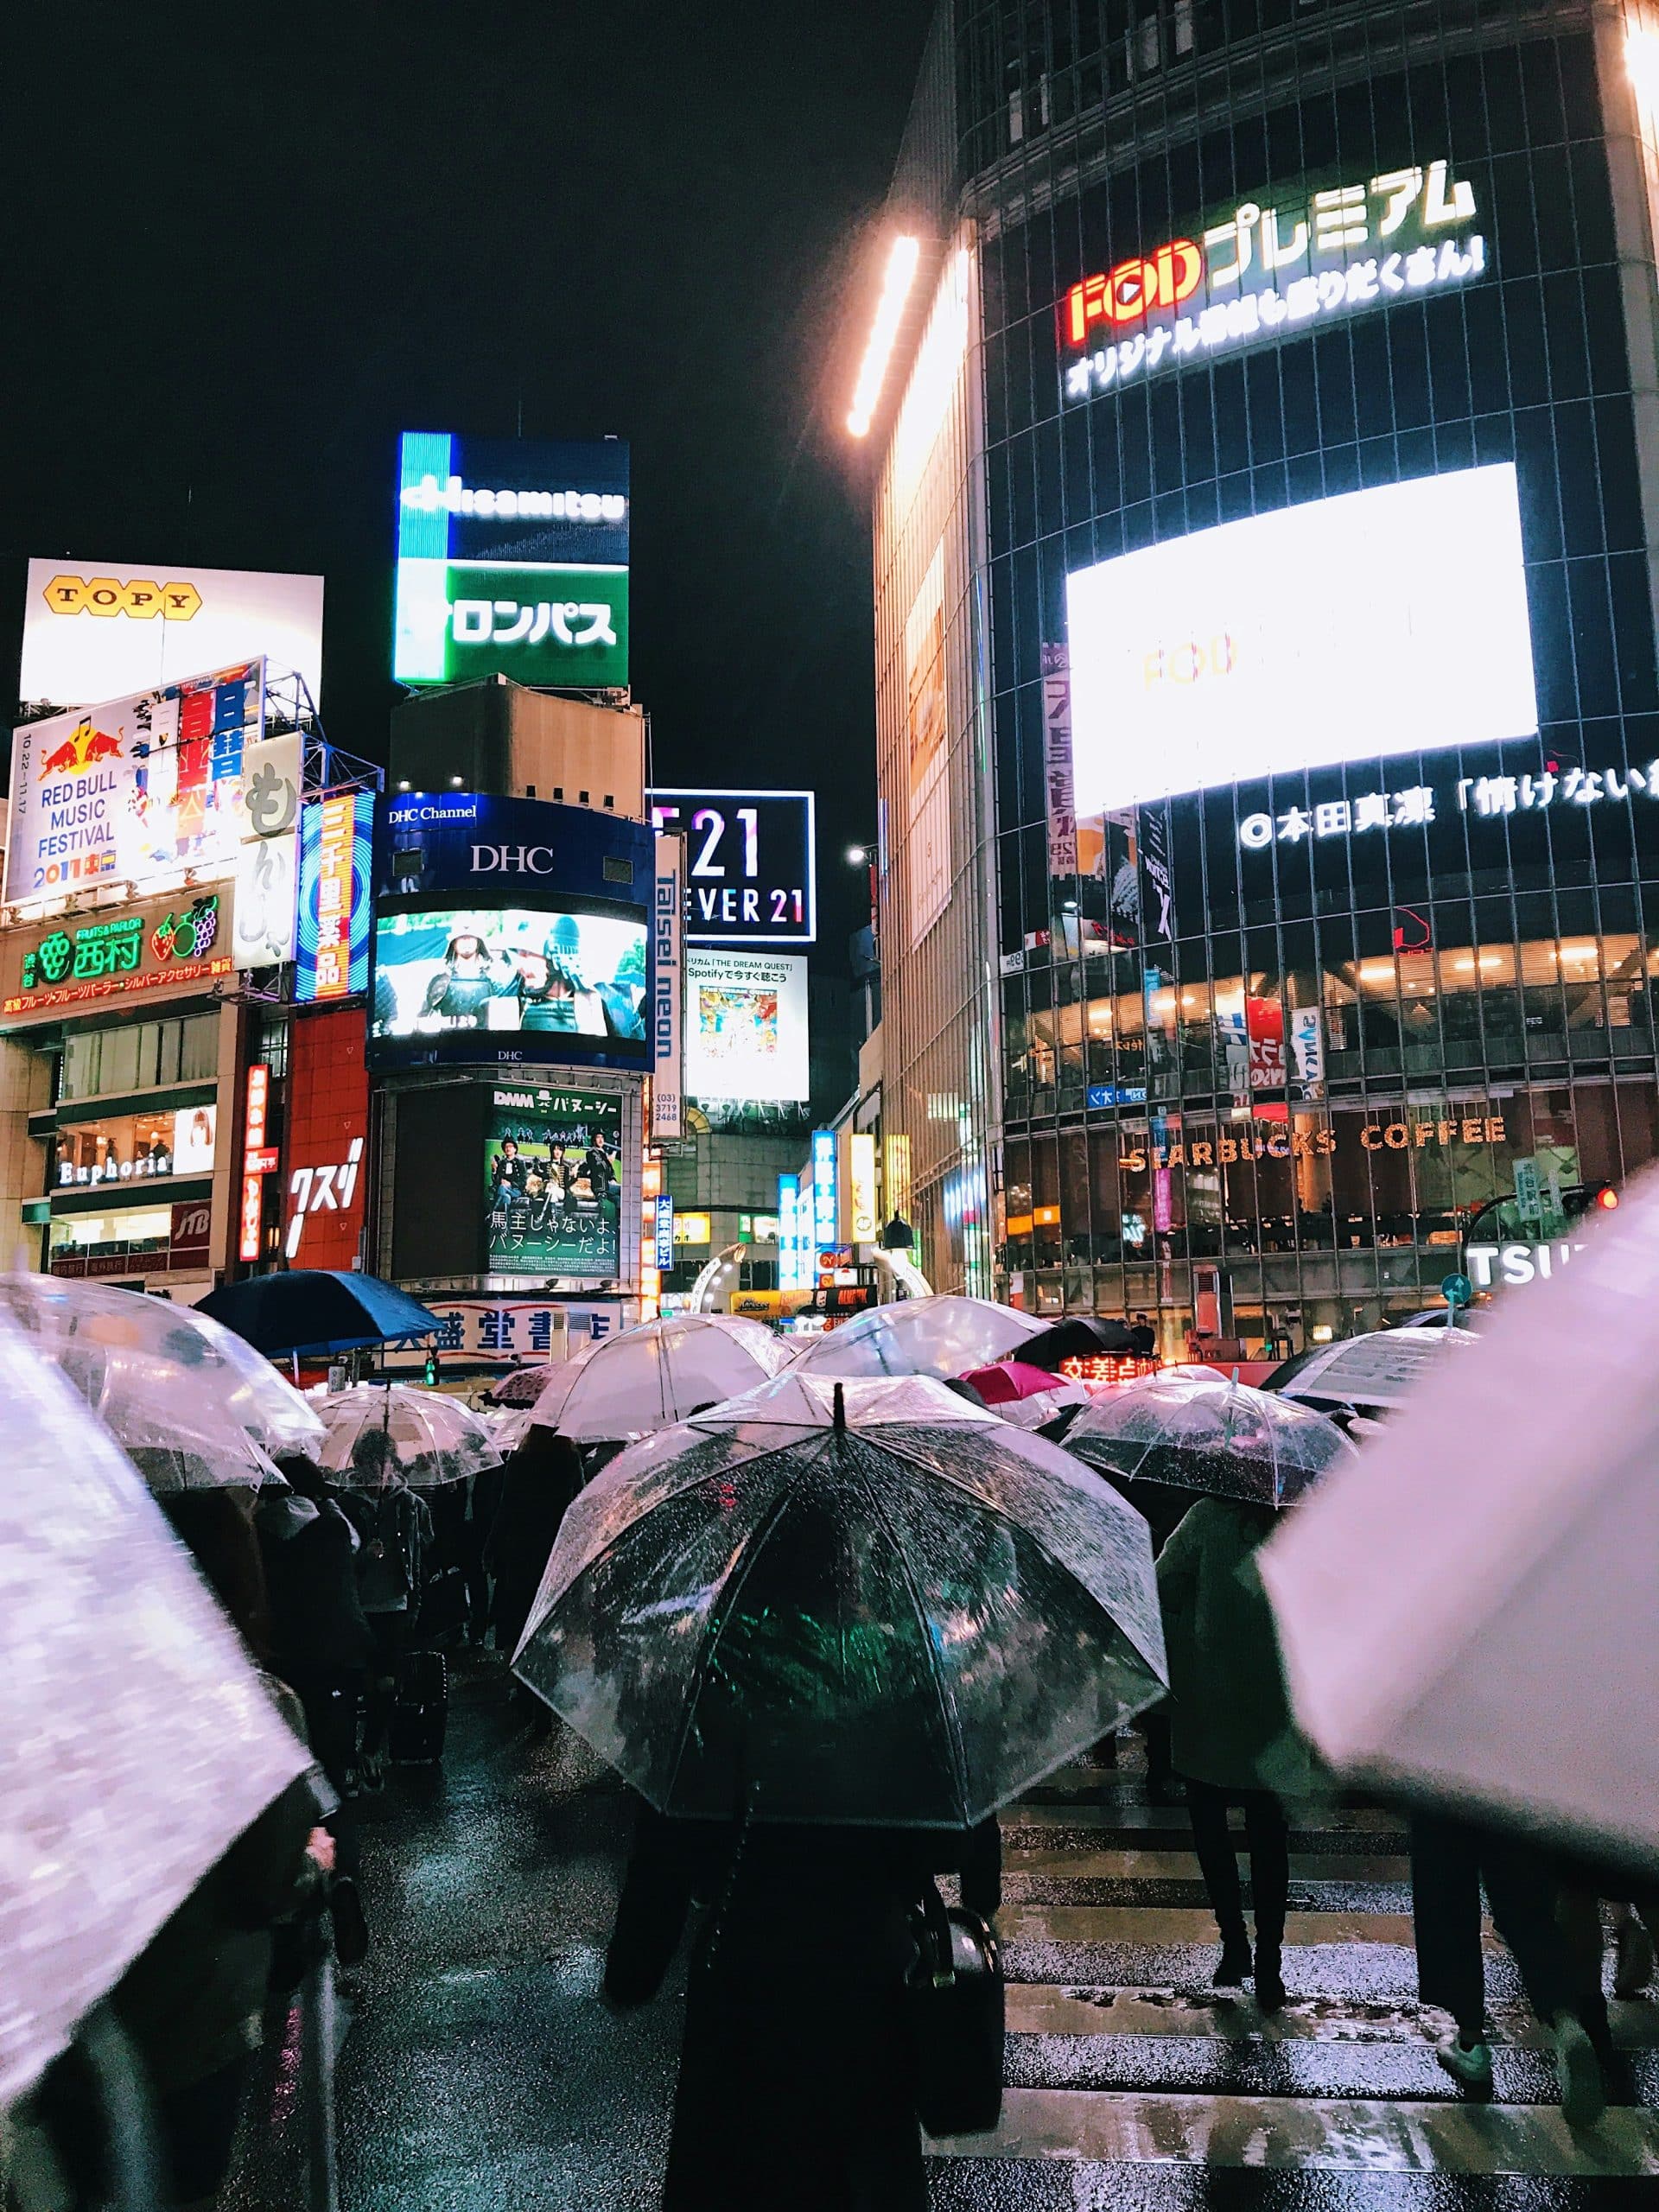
1259	272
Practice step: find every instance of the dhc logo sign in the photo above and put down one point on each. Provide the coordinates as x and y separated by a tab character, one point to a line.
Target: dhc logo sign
513	860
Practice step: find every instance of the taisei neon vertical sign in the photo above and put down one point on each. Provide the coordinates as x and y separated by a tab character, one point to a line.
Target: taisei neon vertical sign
257	1160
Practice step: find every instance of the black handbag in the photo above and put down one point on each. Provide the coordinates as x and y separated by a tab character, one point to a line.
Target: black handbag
955	1993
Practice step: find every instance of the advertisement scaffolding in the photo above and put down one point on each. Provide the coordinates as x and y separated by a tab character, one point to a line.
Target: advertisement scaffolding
328	772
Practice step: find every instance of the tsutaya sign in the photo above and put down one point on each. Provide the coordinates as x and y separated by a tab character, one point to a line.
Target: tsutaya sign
1515	1263
1256	272
1486	796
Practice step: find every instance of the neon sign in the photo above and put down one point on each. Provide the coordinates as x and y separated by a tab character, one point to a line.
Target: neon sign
1259	272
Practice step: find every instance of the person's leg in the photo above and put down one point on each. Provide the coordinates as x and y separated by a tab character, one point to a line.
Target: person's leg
1206	1808
1268	1833
1446	1915
1521	1890
197	2127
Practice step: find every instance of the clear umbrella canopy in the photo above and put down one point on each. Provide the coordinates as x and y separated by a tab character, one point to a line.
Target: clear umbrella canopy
1218	1437
939	1335
1380	1370
425	1439
136	1740
650	1377
863	1602
194	1406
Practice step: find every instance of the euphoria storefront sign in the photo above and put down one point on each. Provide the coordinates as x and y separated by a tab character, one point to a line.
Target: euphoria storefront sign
1256	272
161	949
1488	796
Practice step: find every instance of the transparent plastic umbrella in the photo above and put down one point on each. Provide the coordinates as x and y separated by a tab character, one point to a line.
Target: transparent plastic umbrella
194	1406
419	1436
939	1335
136	1740
864	1602
508	1430
1218	1437
650	1377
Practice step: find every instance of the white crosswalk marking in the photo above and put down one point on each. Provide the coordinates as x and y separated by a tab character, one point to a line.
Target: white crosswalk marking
1120	2052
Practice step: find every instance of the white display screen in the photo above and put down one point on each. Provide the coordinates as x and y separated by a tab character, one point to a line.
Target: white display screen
1392	620
745	1026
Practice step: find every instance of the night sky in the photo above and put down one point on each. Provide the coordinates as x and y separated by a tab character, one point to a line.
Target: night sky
241	261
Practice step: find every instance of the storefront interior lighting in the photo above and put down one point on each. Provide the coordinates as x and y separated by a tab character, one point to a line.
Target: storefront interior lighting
895	290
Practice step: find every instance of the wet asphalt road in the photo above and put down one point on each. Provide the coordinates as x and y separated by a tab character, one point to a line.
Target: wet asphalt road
483	2071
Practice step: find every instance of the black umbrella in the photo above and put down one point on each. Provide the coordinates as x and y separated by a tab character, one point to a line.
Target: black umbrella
861	1602
1079	1337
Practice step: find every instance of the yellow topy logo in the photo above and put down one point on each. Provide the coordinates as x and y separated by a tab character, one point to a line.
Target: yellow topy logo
107	595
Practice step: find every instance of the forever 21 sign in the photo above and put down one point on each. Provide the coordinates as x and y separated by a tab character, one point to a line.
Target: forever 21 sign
751	867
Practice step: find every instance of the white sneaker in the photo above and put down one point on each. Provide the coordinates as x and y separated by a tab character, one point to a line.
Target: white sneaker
1468	2062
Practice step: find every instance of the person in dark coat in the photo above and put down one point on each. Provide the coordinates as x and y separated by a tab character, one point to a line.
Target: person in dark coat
321	1644
1231	1732
537	1484
797	2083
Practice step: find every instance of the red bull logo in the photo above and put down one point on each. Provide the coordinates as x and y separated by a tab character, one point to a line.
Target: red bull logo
83	747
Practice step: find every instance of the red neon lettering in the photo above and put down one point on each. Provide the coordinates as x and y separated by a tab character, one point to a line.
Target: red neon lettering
1132	289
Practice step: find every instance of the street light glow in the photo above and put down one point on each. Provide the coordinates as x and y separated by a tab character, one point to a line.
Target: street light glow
895	290
857	855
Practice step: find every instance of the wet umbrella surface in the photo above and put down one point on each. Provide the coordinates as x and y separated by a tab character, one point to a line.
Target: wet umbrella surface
417	1435
650	1377
196	1408
903	1617
136	1739
1218	1437
939	1335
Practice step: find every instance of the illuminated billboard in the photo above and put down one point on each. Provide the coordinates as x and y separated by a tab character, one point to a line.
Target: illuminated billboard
745	1026
1374	623
133	788
507	985
96	629
553	1183
1268	267
512	560
751	863
332	929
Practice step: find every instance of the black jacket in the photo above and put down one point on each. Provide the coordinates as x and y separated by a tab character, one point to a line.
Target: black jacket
318	1630
796	2028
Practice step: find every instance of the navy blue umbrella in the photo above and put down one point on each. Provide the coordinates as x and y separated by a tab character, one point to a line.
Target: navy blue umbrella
316	1310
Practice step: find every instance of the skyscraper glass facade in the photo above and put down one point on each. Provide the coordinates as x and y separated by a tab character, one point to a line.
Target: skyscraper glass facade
1325	925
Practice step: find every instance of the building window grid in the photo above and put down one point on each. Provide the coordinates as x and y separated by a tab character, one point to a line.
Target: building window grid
1022	1014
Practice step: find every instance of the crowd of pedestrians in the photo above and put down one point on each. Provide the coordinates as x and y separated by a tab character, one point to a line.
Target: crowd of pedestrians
799	2068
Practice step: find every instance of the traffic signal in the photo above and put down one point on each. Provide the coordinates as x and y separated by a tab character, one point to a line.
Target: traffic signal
1588	1198
430	1372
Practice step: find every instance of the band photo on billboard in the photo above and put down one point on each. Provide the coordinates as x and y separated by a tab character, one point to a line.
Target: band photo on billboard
550	1168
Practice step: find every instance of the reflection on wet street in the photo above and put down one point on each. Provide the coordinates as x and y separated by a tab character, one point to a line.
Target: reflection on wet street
483	2070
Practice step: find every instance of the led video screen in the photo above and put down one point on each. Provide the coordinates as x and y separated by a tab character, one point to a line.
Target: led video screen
1373	623
459	983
